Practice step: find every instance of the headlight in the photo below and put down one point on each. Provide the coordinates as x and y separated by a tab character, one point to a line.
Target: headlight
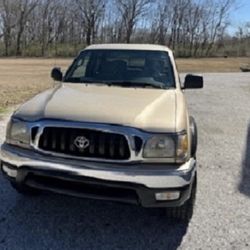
166	146
18	133
160	146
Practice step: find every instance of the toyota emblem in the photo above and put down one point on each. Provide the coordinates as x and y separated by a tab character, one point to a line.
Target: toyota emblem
81	142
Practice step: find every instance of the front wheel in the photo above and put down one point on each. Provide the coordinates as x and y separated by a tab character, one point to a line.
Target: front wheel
194	134
185	212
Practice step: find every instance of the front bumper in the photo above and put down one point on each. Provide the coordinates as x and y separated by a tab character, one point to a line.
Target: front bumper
132	183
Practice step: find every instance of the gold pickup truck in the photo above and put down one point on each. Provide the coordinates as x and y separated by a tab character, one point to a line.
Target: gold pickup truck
114	127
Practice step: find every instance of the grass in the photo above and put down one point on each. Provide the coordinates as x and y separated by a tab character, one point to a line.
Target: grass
21	79
2	110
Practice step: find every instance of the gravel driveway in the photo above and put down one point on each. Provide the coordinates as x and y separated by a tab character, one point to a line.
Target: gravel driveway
222	215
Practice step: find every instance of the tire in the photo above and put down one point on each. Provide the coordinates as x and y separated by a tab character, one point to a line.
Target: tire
24	190
194	134
184	213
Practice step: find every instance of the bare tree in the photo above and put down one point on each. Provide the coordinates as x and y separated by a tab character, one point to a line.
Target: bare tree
243	39
131	11
61	27
91	13
8	22
45	10
24	8
218	17
161	22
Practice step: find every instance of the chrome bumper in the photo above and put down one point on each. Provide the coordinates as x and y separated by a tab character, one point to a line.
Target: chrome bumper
151	176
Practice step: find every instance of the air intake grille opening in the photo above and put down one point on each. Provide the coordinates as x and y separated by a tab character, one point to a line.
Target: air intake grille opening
138	144
34	132
77	188
85	143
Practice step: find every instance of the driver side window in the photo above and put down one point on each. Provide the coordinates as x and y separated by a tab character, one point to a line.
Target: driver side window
81	67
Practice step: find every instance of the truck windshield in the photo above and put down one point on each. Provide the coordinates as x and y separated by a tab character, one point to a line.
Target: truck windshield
126	68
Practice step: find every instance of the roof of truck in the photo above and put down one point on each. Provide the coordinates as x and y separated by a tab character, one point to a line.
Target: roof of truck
130	46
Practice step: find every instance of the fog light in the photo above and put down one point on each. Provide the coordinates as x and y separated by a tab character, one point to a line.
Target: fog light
10	172
164	196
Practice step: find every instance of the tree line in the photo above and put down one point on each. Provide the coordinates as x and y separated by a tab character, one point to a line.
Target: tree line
63	27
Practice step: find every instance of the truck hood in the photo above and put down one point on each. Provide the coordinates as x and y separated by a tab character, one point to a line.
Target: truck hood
151	110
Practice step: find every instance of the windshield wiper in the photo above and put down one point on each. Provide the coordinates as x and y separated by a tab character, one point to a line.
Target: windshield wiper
138	84
96	82
123	83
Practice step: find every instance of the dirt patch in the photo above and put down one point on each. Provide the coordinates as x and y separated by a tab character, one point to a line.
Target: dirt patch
212	64
22	78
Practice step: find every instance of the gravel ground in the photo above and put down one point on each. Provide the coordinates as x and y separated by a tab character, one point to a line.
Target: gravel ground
222	215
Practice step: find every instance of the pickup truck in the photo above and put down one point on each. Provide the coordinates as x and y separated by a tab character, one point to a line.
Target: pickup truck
114	127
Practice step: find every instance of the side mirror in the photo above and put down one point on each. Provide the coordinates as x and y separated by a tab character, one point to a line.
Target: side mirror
57	74
193	82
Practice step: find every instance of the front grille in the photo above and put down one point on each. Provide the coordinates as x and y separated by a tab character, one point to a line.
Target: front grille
85	143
